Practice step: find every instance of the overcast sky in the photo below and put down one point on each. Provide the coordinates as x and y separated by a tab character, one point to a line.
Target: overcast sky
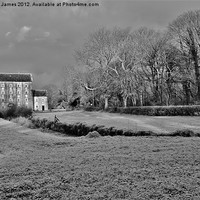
42	40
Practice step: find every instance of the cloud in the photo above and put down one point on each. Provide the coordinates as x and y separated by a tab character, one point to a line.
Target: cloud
23	33
54	32
46	34
41	35
10	46
7	34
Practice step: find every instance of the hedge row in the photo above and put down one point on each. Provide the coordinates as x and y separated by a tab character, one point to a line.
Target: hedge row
81	129
155	110
91	108
15	111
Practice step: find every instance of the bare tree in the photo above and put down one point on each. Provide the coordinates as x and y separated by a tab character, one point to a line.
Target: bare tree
147	66
185	31
71	82
106	51
52	94
151	45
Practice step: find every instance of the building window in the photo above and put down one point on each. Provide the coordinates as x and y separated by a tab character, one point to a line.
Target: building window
2	100
18	85
10	85
11	92
42	100
10	100
26	85
18	92
2	85
26	92
2	92
26	100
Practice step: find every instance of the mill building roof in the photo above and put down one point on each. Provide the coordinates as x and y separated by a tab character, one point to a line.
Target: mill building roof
39	93
16	77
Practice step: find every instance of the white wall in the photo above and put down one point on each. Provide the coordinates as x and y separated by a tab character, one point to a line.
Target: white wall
39	102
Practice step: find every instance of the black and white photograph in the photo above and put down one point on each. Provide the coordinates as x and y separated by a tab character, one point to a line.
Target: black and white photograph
99	100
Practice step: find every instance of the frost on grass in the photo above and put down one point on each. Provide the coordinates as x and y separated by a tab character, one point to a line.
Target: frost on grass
23	121
40	166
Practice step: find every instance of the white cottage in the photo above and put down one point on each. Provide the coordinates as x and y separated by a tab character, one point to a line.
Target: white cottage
40	102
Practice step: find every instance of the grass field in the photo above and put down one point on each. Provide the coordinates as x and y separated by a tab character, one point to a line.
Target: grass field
158	124
36	165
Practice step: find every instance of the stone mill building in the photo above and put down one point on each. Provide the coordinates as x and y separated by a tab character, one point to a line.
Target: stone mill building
17	89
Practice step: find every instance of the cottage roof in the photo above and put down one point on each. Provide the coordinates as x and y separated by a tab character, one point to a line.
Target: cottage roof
16	77
39	93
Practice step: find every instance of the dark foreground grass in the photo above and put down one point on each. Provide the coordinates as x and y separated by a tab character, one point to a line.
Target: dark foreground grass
35	165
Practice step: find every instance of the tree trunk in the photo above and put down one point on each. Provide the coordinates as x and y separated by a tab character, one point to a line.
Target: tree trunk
106	103
134	101
169	88
194	53
125	102
156	92
186	89
167	99
197	74
141	100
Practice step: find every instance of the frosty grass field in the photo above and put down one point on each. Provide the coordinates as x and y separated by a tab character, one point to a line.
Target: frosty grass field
37	165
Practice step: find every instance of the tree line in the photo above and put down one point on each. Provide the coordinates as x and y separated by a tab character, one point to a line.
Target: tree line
140	67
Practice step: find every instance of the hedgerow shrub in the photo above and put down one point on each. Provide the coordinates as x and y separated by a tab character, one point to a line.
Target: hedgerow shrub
36	122
23	111
16	111
155	110
23	122
81	129
1	114
92	108
10	112
183	133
